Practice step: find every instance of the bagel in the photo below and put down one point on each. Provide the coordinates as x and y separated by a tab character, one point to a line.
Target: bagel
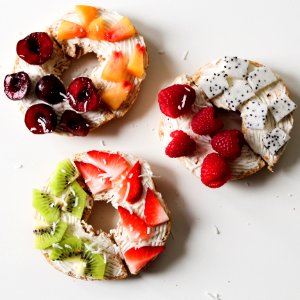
114	83
231	86
63	205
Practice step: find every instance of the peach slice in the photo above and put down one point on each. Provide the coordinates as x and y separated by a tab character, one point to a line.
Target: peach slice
120	31
117	94
95	29
136	62
69	30
86	14
116	67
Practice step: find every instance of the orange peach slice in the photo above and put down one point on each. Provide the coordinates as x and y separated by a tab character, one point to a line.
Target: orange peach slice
136	62
86	14
69	30
116	95
96	29
116	67
120	31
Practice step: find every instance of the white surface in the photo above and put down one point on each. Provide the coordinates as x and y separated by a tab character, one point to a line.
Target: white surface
256	256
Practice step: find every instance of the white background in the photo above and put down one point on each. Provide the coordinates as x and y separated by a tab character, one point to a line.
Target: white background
256	256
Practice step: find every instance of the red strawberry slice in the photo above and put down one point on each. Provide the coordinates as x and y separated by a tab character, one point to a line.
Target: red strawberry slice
96	179
111	163
137	258
154	212
135	226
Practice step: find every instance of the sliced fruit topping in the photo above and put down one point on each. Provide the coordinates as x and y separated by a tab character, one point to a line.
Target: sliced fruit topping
46	236
137	258
95	265
120	31
50	89
66	248
36	48
204	122
112	163
82	95
134	225
136	62
228	143
181	145
96	179
69	30
117	94
116	67
74	123
40	119
96	29
64	174
154	212
214	171
132	188
176	100
45	205
17	85
86	14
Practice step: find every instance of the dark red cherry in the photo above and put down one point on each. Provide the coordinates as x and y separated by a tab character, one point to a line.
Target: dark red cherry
36	48
40	119
17	85
74	123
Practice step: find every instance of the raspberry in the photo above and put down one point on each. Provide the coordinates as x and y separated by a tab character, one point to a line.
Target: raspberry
214	171
181	145
205	123
176	100
228	143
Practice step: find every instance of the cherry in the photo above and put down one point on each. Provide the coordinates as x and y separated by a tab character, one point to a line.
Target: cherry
17	85
74	123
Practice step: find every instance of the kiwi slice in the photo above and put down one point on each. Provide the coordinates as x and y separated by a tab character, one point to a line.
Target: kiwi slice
66	248
64	174
46	236
45	205
95	265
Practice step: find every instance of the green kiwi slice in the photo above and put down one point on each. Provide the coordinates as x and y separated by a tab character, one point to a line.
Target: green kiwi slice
45	205
66	248
46	236
95	265
65	173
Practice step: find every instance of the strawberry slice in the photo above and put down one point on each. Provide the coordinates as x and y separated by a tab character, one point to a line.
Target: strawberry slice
135	226
137	258
111	163
96	179
154	212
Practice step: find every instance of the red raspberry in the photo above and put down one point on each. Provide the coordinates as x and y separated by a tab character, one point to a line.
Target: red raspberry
176	100
214	171
205	123
228	143
181	145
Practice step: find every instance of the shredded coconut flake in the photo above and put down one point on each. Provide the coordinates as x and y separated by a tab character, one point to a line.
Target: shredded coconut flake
56	245
186	53
127	191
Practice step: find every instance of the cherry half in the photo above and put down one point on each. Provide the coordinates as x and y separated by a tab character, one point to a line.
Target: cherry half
17	85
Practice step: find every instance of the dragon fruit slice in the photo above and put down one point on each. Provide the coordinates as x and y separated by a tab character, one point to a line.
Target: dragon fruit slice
275	139
213	85
239	92
260	78
255	114
234	67
281	107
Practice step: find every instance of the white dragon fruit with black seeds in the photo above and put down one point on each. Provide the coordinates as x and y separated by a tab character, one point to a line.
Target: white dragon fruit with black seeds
254	114
213	85
260	78
234	67
281	107
274	140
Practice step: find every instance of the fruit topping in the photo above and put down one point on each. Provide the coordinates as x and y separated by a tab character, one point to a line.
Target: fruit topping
205	123
96	30
154	212
94	264
69	30
122	30
40	119
136	62
281	107
117	94
181	145
213	85
176	100
50	89
116	67
275	139
68	247
137	258
214	171
17	85
96	179
36	48
260	78
234	67
74	123
82	95
86	14
254	114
